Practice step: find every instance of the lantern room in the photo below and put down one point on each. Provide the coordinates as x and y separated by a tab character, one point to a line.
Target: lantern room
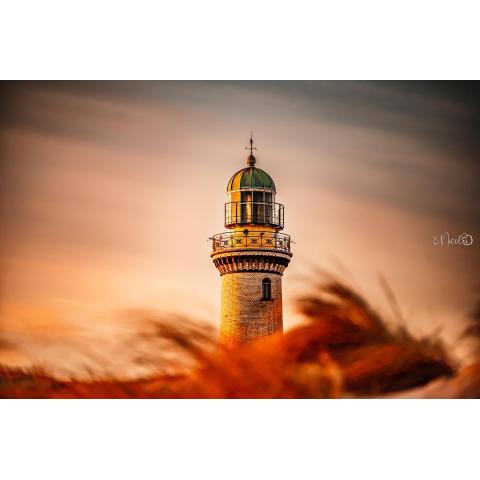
251	199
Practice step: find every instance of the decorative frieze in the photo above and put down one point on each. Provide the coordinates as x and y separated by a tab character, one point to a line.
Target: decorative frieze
251	261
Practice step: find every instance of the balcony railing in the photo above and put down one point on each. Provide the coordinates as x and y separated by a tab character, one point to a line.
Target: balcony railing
254	240
256	213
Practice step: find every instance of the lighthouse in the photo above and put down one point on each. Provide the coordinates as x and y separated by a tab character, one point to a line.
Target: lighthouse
251	257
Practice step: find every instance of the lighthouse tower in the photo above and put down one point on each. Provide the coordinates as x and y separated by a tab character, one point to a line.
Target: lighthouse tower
251	257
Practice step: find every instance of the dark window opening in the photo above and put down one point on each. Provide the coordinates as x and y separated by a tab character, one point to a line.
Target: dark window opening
266	289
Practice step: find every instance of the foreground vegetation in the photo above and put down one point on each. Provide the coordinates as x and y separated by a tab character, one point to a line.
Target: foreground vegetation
344	349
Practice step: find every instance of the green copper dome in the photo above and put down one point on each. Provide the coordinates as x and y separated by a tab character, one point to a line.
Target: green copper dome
250	177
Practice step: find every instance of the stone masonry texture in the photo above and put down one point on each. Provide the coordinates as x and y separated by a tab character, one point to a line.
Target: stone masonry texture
244	315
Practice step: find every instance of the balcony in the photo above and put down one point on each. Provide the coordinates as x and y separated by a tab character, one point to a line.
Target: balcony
254	213
251	240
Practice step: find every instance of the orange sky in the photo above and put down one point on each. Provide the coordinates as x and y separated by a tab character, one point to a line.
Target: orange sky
110	190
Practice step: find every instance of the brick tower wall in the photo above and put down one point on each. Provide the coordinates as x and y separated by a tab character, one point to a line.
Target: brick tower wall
244	315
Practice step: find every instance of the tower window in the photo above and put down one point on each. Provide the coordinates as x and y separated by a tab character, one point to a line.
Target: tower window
266	289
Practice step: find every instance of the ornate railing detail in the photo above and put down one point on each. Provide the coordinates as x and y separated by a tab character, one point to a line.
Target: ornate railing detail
251	239
261	213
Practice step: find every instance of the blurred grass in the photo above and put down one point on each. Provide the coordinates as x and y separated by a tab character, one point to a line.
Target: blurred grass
343	349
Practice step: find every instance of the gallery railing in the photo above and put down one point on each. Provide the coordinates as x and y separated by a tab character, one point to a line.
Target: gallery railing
259	213
249	239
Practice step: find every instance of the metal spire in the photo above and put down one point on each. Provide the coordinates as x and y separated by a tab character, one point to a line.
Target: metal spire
251	158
